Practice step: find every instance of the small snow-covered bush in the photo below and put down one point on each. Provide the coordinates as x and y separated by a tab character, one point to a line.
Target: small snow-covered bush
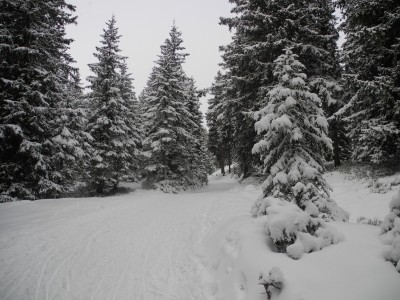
368	221
379	187
391	232
274	279
294	231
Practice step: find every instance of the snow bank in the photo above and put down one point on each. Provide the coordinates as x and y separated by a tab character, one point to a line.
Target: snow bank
391	232
354	196
295	231
233	258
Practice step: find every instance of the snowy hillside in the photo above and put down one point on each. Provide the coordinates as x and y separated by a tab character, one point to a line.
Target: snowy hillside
151	245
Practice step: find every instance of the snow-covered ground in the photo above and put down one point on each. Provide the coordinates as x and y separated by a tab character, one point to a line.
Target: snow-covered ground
194	245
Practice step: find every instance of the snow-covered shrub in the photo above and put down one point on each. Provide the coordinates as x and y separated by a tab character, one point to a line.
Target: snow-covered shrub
368	221
274	279
391	232
295	231
377	186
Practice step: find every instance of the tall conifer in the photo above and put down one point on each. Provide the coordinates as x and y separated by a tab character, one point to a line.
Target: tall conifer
112	123
34	72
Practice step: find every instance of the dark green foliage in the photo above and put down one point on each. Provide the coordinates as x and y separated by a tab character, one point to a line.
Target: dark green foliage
112	121
371	55
172	122
262	29
220	141
34	78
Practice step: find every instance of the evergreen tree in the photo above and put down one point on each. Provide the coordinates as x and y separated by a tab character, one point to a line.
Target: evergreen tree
34	72
112	122
371	55
219	124
262	29
72	143
294	137
132	120
170	125
198	158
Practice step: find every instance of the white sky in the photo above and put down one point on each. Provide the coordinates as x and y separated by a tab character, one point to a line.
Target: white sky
144	26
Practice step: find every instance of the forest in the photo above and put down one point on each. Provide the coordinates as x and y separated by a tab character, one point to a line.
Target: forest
287	109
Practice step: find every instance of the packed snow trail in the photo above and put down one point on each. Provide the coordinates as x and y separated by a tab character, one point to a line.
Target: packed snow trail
135	246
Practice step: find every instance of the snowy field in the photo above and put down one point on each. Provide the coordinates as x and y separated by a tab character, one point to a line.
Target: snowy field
194	245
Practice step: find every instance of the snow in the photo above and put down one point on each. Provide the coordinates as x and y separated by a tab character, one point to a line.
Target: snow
354	196
235	255
199	244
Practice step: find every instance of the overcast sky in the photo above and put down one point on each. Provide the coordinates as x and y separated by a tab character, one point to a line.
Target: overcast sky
144	26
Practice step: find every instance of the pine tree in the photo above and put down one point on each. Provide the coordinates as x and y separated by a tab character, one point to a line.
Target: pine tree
34	73
72	143
169	123
198	158
371	55
111	121
219	124
133	121
262	29
294	137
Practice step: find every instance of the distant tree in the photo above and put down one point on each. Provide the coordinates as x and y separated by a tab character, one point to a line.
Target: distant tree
199	157
133	122
171	122
36	142
220	124
371	55
112	118
72	143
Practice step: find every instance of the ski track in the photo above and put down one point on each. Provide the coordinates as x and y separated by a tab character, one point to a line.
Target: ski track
135	246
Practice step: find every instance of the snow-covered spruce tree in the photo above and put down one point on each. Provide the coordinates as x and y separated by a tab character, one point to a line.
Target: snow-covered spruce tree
169	123
219	124
133	121
371	55
293	139
111	122
390	230
34	72
198	159
72	143
262	29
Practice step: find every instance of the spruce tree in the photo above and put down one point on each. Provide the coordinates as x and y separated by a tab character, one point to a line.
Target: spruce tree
262	29
371	54
219	124
293	138
72	143
198	158
133	122
169	123
34	72
111	121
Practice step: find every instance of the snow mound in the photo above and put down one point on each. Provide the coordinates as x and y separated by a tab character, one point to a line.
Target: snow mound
234	257
274	279
295	231
391	232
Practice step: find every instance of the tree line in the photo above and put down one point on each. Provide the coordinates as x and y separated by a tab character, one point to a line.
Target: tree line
358	85
56	140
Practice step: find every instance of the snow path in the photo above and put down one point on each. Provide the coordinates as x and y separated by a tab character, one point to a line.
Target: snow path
135	246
